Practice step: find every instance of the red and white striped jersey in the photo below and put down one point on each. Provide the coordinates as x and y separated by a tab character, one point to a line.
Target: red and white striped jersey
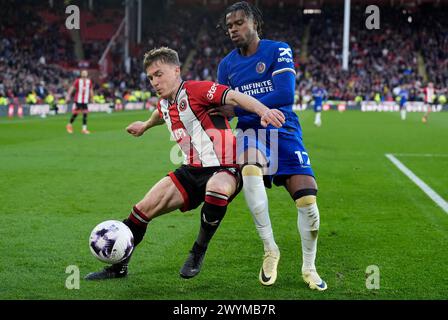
205	141
82	90
429	94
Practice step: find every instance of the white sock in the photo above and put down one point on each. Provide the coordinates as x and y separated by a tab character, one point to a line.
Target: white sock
403	114
308	225
257	201
84	127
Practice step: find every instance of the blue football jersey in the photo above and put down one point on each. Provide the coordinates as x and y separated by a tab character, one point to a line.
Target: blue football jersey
254	75
404	96
319	95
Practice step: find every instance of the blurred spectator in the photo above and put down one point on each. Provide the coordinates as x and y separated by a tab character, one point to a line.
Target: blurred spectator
35	55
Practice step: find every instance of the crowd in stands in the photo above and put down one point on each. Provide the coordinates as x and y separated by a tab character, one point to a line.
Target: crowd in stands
433	34
403	52
213	43
381	61
178	35
30	48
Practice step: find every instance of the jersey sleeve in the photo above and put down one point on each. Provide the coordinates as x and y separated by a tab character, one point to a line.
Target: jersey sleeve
283	59
76	84
210	93
284	91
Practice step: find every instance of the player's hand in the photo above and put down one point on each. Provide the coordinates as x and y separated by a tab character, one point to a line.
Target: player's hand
136	128
227	111
274	117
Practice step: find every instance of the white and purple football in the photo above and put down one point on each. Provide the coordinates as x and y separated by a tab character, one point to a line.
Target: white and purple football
111	241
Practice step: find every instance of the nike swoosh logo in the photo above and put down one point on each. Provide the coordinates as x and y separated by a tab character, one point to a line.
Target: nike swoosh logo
321	285
263	276
213	223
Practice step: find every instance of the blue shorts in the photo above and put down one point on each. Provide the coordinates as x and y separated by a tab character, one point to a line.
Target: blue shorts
402	103
284	151
317	108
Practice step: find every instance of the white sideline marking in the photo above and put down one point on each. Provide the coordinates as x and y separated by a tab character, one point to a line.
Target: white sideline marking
420	155
426	189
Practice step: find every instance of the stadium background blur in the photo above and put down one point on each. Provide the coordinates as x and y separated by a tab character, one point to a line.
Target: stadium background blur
40	57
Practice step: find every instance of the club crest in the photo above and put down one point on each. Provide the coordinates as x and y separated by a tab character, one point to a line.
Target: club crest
260	67
183	105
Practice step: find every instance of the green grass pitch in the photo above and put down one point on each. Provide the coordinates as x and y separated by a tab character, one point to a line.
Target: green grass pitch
56	187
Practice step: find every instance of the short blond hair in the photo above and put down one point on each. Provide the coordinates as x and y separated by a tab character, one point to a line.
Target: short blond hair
162	54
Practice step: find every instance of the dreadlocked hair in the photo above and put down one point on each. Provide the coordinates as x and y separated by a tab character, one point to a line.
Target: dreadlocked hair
249	10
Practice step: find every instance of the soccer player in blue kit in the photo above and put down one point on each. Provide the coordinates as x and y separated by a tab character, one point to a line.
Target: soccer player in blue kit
265	70
404	96
319	95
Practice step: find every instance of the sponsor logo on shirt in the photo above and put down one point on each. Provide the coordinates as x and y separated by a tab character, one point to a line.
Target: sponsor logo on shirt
285	51
285	55
211	92
255	88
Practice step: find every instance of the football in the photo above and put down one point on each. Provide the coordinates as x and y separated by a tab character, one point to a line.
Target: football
111	241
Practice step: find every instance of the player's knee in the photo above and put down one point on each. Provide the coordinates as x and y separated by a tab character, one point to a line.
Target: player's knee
306	203
214	209
224	182
305	197
251	170
219	188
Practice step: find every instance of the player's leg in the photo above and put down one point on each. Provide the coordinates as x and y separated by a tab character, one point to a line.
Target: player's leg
317	117
303	190
428	110
403	110
84	123
69	126
253	161
296	174
163	197
257	201
220	188
74	115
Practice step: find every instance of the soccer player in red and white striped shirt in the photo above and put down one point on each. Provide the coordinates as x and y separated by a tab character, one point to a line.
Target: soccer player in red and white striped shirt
83	88
430	96
210	173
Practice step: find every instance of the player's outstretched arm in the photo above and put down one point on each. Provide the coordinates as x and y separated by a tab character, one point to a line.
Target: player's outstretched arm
268	116
227	111
91	94
138	128
69	93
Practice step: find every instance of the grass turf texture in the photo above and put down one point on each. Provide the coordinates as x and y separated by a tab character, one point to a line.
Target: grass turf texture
56	187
